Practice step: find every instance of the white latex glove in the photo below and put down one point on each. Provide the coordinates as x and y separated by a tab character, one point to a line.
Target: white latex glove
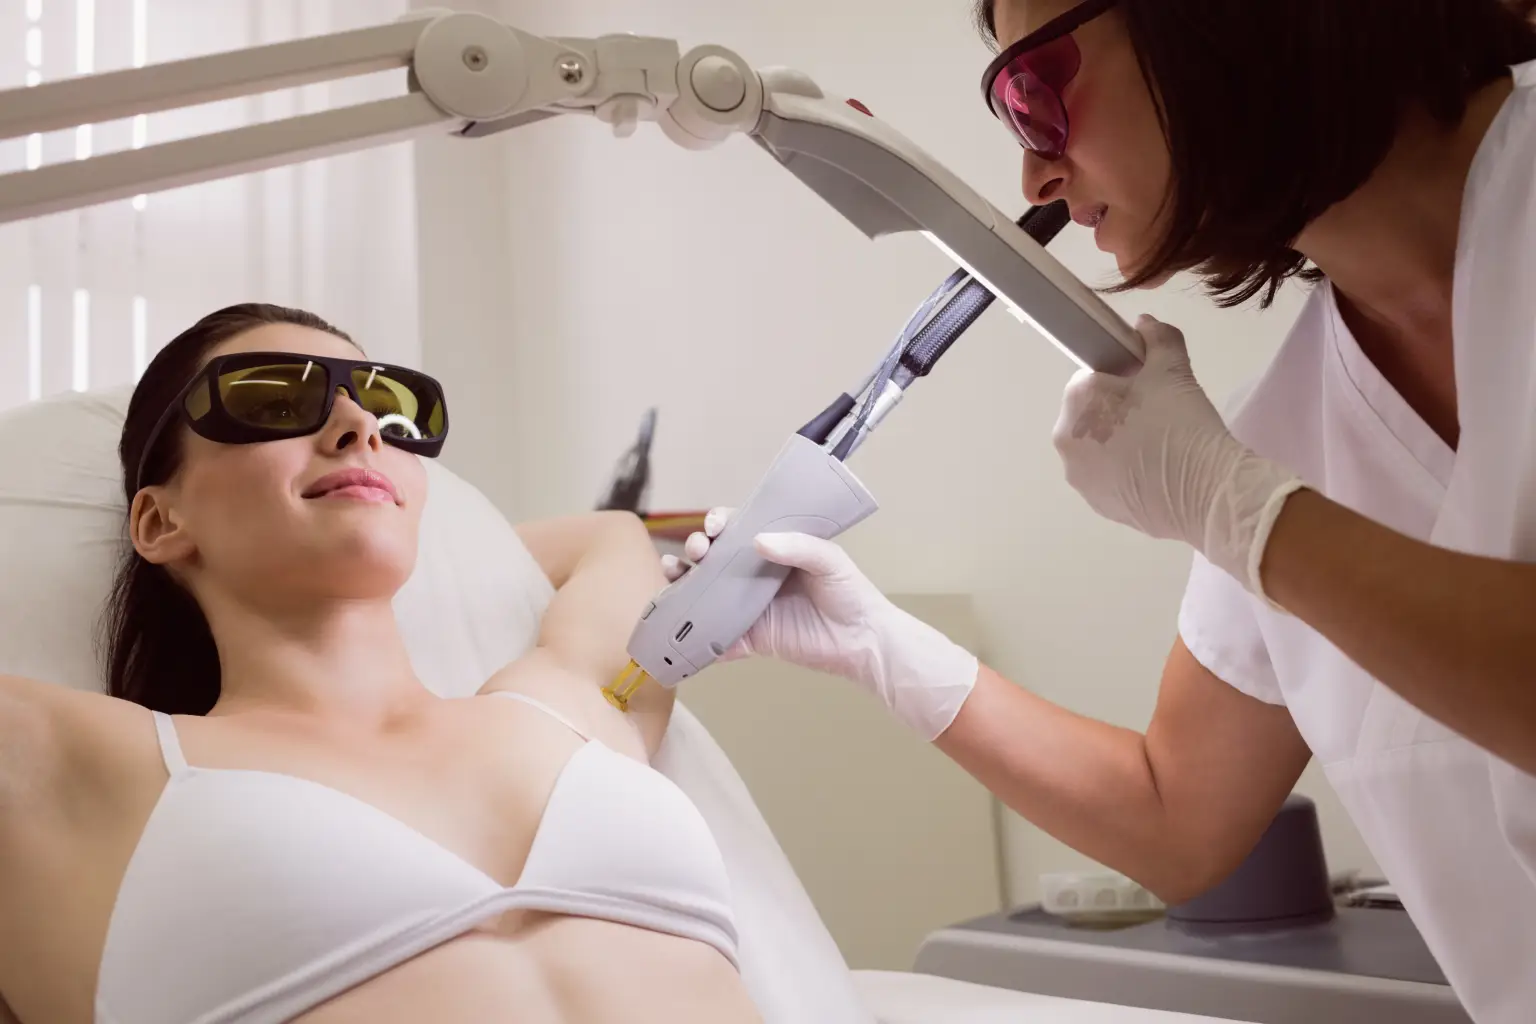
1152	452
829	617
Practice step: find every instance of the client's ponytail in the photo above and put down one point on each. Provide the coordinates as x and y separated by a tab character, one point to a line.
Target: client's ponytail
160	652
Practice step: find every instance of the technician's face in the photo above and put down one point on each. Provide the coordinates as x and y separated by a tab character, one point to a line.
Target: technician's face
1116	169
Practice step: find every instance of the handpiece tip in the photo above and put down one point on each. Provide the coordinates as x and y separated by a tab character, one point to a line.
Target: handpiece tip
624	686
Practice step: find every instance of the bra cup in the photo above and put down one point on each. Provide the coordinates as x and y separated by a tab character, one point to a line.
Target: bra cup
254	896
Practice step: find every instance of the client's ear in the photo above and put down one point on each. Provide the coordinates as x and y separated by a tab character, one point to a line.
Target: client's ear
156	530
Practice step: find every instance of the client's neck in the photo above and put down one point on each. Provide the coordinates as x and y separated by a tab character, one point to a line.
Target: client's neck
342	658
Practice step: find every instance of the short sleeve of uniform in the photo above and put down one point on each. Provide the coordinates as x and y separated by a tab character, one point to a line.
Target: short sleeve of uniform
1218	623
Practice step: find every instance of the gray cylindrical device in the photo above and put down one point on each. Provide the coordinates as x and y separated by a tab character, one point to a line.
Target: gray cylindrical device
1283	883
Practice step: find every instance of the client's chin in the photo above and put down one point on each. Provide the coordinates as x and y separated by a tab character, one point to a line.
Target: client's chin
360	565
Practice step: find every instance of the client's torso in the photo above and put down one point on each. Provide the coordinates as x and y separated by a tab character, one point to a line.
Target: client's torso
476	861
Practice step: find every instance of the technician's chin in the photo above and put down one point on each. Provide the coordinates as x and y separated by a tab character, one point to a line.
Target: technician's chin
1363	518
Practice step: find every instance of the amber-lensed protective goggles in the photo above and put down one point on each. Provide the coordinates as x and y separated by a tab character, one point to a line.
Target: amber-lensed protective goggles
249	397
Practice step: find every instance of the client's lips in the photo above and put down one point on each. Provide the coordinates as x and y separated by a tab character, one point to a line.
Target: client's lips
363	484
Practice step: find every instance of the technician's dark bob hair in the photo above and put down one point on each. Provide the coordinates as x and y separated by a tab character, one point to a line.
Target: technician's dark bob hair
1275	110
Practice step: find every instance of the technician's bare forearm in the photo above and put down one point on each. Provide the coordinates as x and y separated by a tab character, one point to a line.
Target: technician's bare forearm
1452	634
1176	809
1085	782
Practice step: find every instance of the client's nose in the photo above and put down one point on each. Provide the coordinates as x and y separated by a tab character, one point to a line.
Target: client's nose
350	424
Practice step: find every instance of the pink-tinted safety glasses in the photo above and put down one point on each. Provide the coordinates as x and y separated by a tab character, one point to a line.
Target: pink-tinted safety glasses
1023	85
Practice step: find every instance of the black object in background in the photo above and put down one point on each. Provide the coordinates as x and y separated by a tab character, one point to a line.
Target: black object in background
632	476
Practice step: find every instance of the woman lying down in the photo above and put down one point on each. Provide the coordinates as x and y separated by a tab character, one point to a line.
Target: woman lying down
271	818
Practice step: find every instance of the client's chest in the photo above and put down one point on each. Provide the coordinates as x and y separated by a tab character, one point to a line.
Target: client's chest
465	796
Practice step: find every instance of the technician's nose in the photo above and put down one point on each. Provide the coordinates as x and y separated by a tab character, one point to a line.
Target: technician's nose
1043	179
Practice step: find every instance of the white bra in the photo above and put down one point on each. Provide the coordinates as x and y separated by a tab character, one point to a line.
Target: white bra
254	896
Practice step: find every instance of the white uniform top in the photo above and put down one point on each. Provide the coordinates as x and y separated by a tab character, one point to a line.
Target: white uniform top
1453	827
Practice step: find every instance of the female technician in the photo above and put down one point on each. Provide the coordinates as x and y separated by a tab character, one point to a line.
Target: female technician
1364	521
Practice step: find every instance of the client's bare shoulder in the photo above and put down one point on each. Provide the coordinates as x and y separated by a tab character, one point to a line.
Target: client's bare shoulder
59	746
35	721
79	774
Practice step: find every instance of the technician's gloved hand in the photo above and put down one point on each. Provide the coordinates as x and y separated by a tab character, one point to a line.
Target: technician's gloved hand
829	617
1152	452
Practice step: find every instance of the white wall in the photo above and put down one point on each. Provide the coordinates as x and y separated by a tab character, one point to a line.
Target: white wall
630	273
87	295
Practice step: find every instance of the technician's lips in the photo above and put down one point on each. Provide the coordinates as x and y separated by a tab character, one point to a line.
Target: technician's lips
361	484
1091	217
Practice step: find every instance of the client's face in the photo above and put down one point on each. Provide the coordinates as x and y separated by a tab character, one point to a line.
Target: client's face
282	522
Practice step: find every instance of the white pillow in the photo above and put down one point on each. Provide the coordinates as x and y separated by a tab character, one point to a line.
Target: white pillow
472	605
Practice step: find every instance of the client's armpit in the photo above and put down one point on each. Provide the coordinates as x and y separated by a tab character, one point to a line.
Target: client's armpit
607	570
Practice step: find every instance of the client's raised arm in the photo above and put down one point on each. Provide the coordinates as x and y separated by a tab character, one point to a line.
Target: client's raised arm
605	571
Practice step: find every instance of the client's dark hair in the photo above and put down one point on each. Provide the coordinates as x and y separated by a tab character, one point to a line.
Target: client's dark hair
159	651
1275	110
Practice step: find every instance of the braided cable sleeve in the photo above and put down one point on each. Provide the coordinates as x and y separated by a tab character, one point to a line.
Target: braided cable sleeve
1041	223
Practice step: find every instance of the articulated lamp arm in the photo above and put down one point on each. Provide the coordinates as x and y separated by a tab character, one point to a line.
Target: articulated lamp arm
470	75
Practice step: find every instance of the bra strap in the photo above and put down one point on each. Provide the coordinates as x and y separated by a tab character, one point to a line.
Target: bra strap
551	712
170	745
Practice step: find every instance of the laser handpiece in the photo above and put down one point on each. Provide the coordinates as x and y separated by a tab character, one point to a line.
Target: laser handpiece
808	489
